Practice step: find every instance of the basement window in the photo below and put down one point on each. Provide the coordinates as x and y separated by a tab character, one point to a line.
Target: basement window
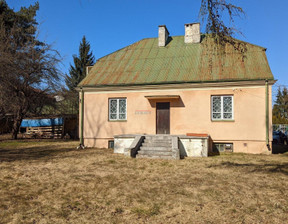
118	109
222	147
110	144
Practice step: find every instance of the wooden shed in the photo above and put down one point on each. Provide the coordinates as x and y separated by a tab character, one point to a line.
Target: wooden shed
50	127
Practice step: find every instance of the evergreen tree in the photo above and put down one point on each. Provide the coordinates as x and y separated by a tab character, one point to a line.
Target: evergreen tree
280	108
77	72
22	22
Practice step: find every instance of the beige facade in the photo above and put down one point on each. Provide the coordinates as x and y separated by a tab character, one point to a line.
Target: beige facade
189	113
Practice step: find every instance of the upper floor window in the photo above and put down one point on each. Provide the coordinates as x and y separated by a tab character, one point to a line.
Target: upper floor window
117	109
222	108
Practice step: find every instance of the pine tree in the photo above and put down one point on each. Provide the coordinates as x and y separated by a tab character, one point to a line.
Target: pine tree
77	72
280	108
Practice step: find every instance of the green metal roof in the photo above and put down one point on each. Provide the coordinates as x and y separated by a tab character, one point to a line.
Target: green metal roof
145	63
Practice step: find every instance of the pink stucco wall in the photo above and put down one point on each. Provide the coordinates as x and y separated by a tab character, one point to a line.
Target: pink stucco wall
189	114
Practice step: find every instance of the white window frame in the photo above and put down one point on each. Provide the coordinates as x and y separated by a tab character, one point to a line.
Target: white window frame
222	108
117	113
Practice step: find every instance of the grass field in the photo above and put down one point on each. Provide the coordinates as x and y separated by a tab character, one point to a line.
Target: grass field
52	182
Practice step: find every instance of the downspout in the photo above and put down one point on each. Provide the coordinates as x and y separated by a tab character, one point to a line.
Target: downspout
267	113
81	119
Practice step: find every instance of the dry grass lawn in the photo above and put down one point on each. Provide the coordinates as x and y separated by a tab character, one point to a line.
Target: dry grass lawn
52	182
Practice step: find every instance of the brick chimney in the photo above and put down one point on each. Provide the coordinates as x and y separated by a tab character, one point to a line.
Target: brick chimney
192	33
163	35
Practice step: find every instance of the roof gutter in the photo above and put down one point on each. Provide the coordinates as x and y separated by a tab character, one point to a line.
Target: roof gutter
81	120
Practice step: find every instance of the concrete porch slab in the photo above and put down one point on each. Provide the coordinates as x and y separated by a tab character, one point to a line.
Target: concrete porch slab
189	146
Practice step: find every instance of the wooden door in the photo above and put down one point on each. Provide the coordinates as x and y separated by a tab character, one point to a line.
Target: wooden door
162	118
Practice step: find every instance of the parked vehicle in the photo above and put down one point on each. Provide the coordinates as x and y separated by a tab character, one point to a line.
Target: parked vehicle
279	138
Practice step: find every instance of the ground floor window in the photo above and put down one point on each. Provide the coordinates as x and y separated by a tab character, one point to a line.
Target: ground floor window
222	147
117	109
222	108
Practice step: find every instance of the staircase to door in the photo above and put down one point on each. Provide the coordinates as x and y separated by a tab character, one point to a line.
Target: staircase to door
158	146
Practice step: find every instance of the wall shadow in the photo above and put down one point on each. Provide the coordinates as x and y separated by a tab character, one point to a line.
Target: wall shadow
182	150
96	122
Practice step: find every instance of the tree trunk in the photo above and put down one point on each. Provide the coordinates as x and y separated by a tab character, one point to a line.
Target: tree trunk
16	126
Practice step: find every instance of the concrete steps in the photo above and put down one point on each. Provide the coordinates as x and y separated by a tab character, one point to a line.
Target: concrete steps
155	153
154	157
157	146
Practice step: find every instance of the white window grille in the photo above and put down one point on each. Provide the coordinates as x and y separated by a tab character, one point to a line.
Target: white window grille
222	108
117	109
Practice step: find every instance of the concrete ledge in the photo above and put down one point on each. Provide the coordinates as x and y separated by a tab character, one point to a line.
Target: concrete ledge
193	137
120	143
126	136
182	145
175	147
197	135
193	147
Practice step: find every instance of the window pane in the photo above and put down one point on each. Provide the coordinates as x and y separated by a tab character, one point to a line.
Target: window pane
122	106
113	106
227	104
221	147
216	116
227	115
216	104
122	116
113	116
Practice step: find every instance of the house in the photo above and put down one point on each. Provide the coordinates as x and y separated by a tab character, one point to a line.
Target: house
186	87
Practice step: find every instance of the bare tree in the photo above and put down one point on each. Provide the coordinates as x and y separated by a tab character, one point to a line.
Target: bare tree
213	14
28	75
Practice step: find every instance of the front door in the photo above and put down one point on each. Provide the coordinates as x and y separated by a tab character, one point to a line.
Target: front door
162	118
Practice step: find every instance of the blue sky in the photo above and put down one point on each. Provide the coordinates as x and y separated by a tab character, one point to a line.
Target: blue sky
113	24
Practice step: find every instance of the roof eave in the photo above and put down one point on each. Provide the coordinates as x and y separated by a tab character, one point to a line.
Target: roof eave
219	83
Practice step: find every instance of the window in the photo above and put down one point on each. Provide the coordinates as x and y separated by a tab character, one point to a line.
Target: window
110	144
222	147
222	108
117	109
